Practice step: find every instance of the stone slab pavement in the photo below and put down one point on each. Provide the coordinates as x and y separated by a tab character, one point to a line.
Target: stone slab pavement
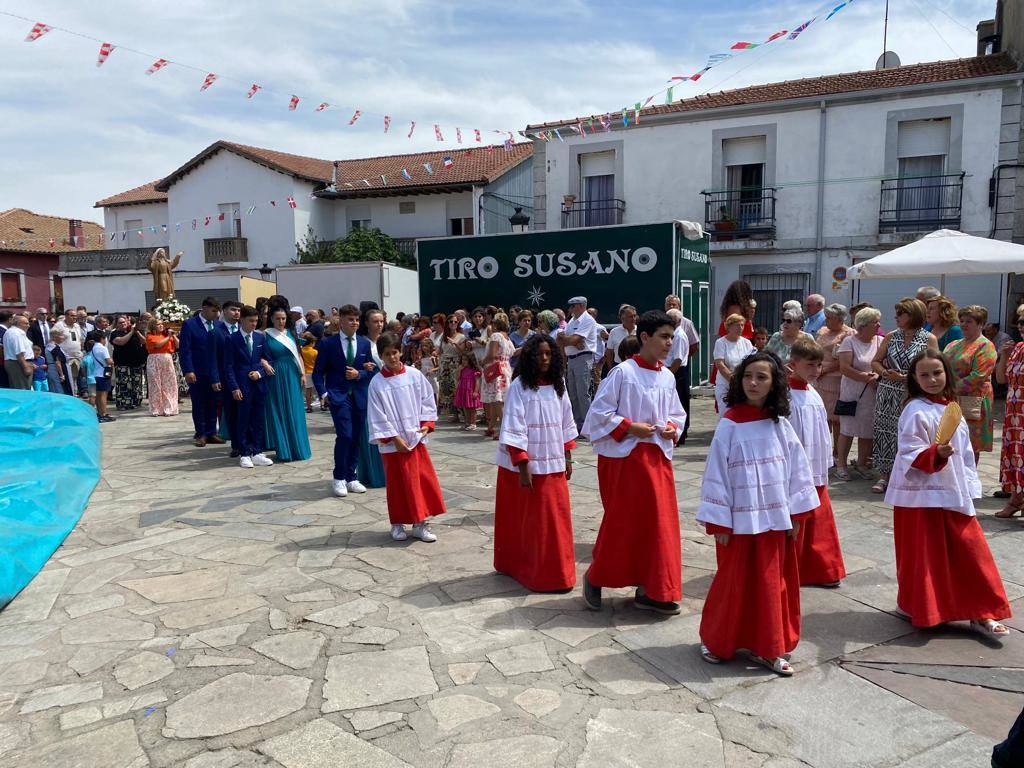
206	616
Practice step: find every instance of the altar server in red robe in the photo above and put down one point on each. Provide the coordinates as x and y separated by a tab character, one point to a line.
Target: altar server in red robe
532	519
817	543
756	481
634	423
401	413
943	564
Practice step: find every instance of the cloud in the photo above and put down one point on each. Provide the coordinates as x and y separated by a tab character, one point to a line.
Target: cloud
75	133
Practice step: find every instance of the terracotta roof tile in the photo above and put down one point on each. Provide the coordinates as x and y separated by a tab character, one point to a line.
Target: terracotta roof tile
28	232
145	194
476	165
850	82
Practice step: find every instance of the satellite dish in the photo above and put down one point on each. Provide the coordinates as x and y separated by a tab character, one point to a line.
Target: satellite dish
888	60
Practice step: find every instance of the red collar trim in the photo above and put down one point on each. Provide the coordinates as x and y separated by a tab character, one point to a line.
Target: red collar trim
387	373
795	383
938	399
644	364
745	412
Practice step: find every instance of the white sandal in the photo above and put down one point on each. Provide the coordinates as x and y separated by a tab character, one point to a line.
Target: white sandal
779	666
989	628
708	656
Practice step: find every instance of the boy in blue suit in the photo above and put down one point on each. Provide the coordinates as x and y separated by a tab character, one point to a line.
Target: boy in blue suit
342	381
197	354
229	323
245	366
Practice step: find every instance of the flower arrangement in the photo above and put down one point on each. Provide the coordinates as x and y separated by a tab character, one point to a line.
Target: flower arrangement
170	310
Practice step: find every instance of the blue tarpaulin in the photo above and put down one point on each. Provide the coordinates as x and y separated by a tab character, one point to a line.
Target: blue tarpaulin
49	465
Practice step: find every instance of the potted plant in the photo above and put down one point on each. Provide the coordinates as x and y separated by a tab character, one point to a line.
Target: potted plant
172	312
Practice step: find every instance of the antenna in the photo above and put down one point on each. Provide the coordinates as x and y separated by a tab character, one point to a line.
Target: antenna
885	30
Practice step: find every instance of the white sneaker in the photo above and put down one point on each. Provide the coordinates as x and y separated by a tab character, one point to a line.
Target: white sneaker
422	532
245	462
355	486
340	489
398	533
261	460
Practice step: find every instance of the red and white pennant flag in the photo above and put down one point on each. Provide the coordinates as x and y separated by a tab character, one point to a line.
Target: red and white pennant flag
291	201
355	117
157	65
458	135
38	30
437	132
387	123
252	91
210	78
323	105
412	127
105	50
293	102
476	132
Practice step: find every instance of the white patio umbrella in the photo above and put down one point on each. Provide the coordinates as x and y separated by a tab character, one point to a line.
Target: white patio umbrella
943	252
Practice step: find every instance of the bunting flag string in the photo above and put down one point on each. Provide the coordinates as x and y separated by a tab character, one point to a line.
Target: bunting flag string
105	50
796	32
38	29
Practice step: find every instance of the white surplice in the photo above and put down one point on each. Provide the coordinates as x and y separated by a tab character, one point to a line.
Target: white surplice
398	404
638	394
952	487
756	477
539	422
809	418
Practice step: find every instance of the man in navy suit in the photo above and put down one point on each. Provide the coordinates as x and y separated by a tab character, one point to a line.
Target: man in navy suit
229	323
197	356
342	381
246	366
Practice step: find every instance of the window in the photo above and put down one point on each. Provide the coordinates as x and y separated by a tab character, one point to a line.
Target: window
134	239
409	207
597	185
12	287
771	291
922	147
462	226
744	166
360	224
229	220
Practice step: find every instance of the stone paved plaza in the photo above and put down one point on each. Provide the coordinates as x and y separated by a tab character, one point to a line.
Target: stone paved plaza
206	616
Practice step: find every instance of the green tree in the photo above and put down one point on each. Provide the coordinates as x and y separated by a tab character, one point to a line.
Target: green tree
370	245
312	250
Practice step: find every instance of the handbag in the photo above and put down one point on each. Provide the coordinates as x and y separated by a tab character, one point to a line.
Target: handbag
849	407
492	372
971	407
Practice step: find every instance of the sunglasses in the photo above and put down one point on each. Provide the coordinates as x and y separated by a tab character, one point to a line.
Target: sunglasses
787	322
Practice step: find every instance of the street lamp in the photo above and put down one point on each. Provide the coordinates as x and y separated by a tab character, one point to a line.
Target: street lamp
520	222
266	271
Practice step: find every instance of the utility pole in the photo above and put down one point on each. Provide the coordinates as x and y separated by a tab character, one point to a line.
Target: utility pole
885	33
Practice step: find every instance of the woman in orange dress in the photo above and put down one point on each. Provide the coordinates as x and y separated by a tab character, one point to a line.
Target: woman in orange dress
161	343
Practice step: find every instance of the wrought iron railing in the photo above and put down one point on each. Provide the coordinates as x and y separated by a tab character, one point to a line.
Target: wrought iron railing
115	259
221	250
592	213
743	213
921	203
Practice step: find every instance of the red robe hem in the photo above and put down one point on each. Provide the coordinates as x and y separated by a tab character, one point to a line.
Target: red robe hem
638	542
817	544
533	540
754	600
944	568
413	491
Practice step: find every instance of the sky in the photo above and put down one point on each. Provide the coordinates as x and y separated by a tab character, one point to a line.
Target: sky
72	133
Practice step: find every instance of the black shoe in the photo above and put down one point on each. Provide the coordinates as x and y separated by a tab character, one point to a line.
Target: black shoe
645	603
591	595
106	419
1001	494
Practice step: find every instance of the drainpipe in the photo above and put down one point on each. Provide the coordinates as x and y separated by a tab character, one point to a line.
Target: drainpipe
820	223
994	193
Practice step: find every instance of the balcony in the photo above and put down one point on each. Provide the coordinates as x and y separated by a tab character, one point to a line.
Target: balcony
921	203
592	213
225	250
747	213
115	259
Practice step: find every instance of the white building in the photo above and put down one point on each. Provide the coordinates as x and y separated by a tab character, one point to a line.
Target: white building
797	180
238	211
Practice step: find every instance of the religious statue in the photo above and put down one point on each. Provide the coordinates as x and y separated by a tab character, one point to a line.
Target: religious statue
163	277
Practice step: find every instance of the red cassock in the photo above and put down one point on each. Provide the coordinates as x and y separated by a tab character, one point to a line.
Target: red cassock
412	488
944	567
817	544
754	600
533	531
638	543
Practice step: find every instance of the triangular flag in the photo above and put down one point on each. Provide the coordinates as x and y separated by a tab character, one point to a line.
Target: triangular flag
743	46
273	203
835	10
220	217
38	30
559	135
668	96
210	78
406	175
367	182
387	123
429	167
447	161
250	209
458	135
384	179
157	65
412	127
291	202
476	132
323	105
777	35
252	91
437	132
796	32
163	227
105	50
207	222
355	117
293	102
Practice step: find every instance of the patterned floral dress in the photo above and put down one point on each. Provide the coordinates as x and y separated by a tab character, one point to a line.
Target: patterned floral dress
494	391
1011	459
973	362
891	394
448	370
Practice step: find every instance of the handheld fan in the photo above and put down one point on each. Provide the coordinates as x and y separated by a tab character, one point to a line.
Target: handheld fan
948	423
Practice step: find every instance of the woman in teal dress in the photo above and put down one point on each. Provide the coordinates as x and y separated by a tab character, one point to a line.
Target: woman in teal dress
286	431
370	468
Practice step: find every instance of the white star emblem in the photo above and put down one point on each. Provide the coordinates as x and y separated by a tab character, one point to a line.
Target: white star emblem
536	296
